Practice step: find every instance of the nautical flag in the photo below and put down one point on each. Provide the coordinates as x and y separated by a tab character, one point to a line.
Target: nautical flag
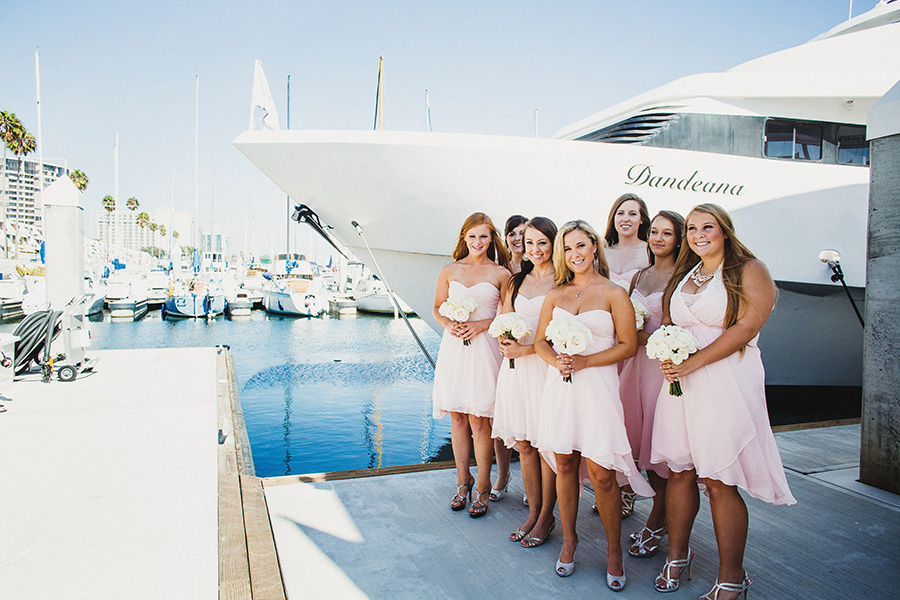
262	99
427	112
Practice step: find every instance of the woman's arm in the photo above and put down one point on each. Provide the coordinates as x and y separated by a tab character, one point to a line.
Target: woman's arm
440	296
759	299
541	346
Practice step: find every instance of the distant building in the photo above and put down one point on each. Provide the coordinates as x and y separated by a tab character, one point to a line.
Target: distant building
20	187
216	242
120	229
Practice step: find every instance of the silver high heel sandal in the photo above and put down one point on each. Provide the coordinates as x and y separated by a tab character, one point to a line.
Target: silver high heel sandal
740	588
462	497
665	583
641	547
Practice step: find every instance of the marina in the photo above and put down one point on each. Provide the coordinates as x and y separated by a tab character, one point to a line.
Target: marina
236	401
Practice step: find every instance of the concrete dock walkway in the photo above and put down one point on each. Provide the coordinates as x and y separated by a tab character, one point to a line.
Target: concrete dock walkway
395	537
108	484
116	486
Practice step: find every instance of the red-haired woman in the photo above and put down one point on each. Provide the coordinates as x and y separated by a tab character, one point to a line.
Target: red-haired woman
465	378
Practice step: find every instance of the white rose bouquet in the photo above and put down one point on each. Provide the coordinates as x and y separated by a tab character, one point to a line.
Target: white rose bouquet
512	326
458	308
570	335
641	314
671	342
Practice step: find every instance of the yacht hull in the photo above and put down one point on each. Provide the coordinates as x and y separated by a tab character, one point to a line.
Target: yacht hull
410	192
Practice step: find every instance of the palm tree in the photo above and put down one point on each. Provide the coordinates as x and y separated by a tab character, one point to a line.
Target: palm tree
22	144
109	205
153	228
132	205
10	128
79	179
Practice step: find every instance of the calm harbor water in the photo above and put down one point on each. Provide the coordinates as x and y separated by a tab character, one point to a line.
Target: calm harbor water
322	394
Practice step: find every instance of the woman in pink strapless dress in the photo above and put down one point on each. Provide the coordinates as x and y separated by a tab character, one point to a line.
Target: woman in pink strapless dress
465	377
627	253
513	231
582	419
519	389
718	430
640	379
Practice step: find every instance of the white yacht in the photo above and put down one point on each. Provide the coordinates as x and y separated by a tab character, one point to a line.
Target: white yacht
779	141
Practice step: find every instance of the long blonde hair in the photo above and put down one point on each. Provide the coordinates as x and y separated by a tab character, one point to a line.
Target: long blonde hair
497	251
561	271
736	256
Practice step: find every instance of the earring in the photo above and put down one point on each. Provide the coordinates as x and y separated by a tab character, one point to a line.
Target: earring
525	258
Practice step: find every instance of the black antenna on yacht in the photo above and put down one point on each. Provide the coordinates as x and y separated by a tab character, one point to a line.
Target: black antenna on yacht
393	297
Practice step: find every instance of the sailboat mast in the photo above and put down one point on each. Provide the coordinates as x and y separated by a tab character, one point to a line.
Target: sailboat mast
287	230
196	163
40	145
377	124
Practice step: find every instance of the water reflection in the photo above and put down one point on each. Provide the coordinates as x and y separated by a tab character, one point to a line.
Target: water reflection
317	394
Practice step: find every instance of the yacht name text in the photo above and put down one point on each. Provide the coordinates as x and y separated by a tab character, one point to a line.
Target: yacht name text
643	175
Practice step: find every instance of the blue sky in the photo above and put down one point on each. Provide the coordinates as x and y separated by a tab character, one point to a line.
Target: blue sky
112	67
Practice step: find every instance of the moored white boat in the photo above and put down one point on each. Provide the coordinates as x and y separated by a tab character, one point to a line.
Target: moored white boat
779	142
193	299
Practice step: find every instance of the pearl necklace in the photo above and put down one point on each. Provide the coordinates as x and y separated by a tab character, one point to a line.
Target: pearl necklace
699	279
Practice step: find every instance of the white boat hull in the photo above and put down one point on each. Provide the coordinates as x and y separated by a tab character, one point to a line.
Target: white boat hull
785	211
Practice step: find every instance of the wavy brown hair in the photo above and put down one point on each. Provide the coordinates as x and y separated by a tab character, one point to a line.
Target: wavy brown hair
548	229
497	251
736	256
677	224
612	236
562	272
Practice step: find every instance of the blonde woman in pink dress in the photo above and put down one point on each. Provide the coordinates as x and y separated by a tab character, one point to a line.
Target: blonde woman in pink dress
718	430
582	419
515	243
641	379
519	389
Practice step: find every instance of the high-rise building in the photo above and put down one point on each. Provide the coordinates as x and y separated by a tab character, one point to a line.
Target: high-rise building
19	182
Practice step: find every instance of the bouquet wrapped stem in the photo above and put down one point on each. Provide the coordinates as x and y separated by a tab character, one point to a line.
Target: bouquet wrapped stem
458	308
672	343
570	335
512	326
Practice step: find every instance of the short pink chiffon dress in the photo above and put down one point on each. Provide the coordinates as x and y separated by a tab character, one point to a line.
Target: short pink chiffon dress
640	381
465	377
518	400
586	415
719	426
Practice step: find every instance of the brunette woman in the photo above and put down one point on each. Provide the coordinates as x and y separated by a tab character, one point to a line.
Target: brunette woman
582	418
465	378
519	388
626	237
515	227
641	379
718	430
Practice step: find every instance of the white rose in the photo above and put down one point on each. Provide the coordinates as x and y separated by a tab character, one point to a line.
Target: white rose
520	329
460	314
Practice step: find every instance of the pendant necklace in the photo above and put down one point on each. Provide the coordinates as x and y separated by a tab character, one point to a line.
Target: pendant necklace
699	279
577	293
